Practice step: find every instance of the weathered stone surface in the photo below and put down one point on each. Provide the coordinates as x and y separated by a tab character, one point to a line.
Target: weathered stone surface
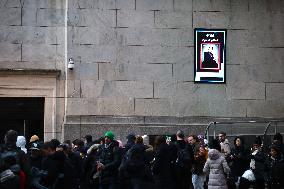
149	107
50	17
266	21
29	17
125	4
275	91
246	90
154	54
39	53
261	108
82	106
155	37
115	106
55	4
232	20
182	5
10	16
10	52
89	71
235	54
130	89
10	4
93	53
266	6
184	71
92	17
167	19
262	56
261	38
72	131
154	5
207	5
74	88
92	4
14	64
239	5
132	18
140	72
93	35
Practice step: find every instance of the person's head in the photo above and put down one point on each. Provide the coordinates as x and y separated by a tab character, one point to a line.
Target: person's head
11	137
63	147
277	137
54	143
180	135
222	136
131	138
48	148
88	139
192	139
139	140
275	150
21	141
202	150
109	137
160	140
34	138
257	143
215	145
35	149
238	141
78	143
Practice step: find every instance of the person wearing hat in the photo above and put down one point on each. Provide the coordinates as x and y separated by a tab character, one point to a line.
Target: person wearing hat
109	161
275	166
35	155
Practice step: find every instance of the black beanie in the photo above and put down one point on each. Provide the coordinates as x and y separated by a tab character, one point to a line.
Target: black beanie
278	137
258	140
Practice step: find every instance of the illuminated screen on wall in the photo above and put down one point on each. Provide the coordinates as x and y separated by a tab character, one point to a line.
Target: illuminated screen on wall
210	61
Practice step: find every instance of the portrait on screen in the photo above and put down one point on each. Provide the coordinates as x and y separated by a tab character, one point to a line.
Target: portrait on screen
209	56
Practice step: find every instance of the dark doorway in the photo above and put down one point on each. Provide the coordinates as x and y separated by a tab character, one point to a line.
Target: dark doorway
22	114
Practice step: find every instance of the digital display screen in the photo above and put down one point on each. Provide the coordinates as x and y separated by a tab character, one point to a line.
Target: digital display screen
210	57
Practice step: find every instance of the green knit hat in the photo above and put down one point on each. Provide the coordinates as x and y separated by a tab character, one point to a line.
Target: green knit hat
109	135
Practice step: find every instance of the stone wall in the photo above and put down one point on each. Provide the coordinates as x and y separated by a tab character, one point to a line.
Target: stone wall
134	58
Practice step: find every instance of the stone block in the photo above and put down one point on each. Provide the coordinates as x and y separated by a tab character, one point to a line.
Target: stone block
184	71
143	72
238	38
154	5
39	53
126	89
112	120
72	131
182	5
155	37
236	54
131	18
93	35
93	53
89	71
11	4
12	64
74	89
226	108
266	21
10	34
167	19
10	52
207	5
150	107
239	5
29	17
92	4
262	108
246	90
260	38
92	17
10	16
266	6
60	106
262	56
44	4
154	54
231	20
51	17
275	91
115	106
82	106
125	4
40	35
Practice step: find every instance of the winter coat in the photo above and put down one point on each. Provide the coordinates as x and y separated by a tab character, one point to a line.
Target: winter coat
217	167
239	159
225	147
21	143
275	167
259	170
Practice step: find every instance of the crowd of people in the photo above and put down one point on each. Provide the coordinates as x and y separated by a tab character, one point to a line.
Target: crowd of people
175	162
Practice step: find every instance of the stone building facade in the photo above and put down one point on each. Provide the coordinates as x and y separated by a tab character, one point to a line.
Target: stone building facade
134	63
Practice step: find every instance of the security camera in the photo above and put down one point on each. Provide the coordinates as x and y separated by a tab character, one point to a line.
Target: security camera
70	64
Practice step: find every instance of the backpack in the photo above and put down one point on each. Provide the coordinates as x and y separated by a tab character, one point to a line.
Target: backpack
183	157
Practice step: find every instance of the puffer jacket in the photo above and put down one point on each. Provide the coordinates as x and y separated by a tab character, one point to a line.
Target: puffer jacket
217	167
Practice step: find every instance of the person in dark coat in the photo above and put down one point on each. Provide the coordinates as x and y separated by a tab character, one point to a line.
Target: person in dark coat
275	167
278	140
162	165
109	161
239	159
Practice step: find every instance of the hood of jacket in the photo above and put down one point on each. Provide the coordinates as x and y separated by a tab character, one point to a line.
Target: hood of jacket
214	154
21	141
